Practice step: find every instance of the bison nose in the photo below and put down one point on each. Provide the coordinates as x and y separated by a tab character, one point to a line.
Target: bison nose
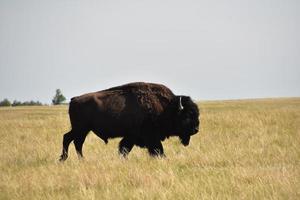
195	131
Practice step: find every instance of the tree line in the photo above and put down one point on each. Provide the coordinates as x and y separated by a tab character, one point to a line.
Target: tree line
58	99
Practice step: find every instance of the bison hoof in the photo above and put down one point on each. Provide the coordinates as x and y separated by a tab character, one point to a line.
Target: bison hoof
63	158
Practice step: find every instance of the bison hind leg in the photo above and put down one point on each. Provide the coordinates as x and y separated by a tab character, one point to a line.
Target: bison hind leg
125	146
78	142
67	139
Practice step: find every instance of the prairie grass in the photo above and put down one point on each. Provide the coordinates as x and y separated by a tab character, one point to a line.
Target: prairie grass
246	149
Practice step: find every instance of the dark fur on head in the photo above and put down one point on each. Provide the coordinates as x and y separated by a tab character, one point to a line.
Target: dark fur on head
186	118
190	119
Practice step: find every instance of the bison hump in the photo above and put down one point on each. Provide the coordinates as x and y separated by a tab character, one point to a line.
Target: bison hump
151	97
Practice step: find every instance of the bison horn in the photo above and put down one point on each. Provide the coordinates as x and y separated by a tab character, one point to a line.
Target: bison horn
180	104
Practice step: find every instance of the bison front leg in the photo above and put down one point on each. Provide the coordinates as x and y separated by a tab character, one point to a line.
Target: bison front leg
125	146
156	149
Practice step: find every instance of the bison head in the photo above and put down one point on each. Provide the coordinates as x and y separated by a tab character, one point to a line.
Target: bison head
187	118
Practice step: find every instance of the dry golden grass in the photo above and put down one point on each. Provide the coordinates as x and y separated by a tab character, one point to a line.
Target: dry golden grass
246	149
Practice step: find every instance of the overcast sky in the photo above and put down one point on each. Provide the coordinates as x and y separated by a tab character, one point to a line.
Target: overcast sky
206	49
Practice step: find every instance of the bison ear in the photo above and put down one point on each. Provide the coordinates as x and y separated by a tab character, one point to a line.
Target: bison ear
180	106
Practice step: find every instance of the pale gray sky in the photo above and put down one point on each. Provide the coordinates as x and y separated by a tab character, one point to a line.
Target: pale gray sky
205	49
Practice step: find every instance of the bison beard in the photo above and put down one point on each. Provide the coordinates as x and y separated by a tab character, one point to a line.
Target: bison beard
143	114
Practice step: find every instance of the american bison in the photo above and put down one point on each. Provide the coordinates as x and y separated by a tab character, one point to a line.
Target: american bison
143	114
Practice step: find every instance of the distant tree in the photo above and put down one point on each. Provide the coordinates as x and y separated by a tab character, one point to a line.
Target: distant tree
5	102
26	103
58	98
16	103
32	103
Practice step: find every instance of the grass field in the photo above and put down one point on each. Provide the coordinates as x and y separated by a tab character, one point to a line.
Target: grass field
246	149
